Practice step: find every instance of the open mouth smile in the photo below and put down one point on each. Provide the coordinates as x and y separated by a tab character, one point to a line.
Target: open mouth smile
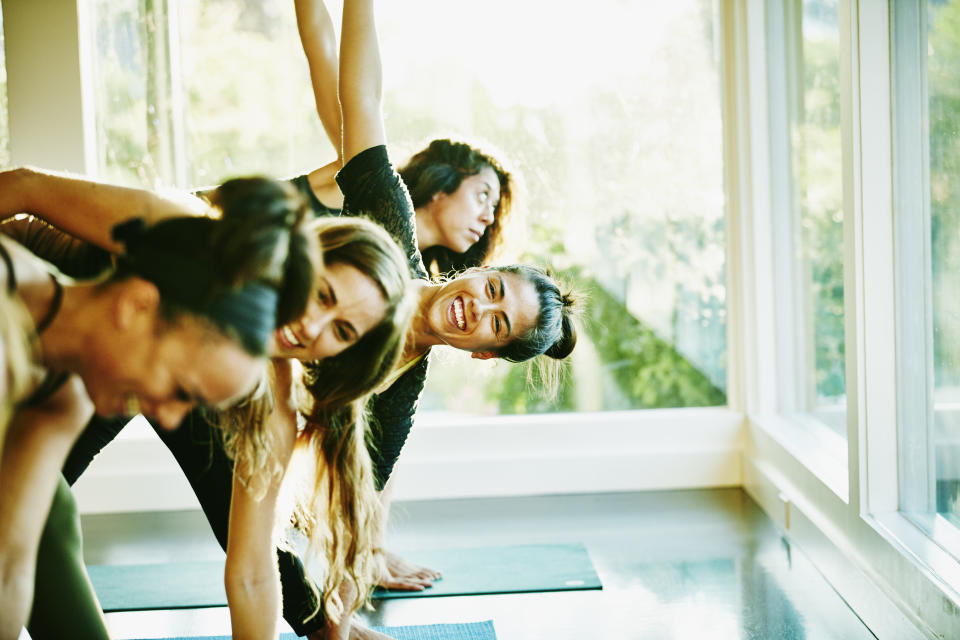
288	339
459	315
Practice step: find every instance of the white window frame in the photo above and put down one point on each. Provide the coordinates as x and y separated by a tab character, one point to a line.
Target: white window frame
898	580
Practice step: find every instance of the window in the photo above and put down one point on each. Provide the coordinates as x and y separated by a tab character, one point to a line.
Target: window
809	255
927	156
4	123
621	162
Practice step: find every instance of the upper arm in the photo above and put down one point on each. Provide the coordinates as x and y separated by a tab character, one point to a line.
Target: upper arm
250	543
84	208
37	442
320	47
361	79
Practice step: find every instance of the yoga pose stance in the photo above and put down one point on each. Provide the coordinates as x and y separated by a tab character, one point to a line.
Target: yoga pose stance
462	195
513	312
139	339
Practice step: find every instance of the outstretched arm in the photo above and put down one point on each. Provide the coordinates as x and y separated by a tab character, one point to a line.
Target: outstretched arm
361	79
251	576
84	208
320	46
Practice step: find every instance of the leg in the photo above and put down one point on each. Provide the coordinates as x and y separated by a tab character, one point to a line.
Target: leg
64	603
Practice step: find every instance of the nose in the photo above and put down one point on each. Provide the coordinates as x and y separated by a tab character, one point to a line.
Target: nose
313	324
481	306
486	213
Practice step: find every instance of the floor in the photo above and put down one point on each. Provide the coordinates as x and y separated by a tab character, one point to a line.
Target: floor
674	564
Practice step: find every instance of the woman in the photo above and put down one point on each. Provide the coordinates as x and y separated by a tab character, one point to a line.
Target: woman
357	311
140	339
489	307
462	195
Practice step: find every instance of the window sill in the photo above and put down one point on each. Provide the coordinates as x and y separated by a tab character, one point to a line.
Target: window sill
814	445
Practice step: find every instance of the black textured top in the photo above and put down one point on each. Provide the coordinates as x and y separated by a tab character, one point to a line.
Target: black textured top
372	188
302	183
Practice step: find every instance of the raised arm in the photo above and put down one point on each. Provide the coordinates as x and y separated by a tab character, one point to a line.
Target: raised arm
361	75
84	208
320	46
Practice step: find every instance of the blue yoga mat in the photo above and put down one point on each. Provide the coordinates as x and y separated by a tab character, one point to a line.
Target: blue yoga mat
464	631
486	570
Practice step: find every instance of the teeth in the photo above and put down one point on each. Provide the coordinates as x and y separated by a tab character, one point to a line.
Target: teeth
290	337
458	312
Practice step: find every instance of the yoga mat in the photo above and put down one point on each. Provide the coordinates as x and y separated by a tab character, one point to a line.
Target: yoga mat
464	631
485	570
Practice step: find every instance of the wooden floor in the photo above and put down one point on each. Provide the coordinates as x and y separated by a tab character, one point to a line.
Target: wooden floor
704	564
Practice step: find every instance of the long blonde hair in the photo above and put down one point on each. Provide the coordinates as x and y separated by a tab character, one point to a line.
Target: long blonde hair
335	421
338	509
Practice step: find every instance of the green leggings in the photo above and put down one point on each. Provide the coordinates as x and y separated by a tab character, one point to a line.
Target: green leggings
64	604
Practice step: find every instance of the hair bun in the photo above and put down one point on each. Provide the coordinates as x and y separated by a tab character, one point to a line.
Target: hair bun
564	345
129	232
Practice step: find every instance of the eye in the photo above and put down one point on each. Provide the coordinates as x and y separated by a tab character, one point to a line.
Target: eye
491	290
343	332
496	325
182	396
483	195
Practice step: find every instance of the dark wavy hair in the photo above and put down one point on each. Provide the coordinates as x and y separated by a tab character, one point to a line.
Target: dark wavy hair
440	168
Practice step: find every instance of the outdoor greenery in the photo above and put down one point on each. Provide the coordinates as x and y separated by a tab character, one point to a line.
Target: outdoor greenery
943	63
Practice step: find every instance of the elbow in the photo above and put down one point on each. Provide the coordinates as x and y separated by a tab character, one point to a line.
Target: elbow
246	583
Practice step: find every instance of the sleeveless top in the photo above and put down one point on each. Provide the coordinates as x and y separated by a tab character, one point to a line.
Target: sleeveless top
53	380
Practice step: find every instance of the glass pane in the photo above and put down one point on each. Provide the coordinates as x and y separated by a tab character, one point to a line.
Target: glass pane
943	61
192	93
818	211
623	174
621	164
4	123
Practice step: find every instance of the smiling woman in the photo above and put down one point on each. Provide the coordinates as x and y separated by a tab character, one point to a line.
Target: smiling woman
183	287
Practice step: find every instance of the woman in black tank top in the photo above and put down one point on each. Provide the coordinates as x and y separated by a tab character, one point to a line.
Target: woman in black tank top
183	320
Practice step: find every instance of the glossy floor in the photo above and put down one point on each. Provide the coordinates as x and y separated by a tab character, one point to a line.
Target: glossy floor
705	564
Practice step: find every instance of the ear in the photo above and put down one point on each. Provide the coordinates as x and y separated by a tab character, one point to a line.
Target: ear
483	355
136	304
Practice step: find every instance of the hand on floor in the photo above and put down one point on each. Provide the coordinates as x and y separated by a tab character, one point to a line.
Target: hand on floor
402	575
357	631
360	632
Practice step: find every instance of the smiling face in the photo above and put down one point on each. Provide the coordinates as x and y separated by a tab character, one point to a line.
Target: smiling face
482	311
461	217
348	303
142	364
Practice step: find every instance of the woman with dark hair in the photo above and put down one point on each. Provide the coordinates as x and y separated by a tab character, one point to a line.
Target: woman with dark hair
462	193
140	339
356	319
514	313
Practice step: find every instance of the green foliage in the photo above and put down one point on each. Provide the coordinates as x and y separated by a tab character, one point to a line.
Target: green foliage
944	108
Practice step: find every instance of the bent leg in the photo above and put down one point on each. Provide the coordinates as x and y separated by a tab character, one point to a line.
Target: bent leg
64	603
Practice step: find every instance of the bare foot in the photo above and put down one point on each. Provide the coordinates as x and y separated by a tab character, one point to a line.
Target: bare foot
402	575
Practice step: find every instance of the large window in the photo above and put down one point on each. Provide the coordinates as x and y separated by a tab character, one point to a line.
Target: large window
927	122
810	291
4	123
615	131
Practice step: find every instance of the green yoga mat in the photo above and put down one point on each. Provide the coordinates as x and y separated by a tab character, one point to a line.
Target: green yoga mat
486	570
463	631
